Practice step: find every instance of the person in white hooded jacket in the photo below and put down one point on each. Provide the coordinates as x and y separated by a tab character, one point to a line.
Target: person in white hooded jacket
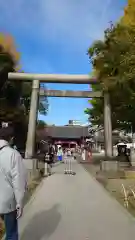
13	180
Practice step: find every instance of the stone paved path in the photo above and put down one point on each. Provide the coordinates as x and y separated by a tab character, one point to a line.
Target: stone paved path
74	208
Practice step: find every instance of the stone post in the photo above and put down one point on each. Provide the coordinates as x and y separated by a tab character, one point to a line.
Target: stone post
107	126
30	143
132	151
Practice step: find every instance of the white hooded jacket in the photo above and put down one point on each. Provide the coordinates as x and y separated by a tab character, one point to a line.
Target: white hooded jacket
12	178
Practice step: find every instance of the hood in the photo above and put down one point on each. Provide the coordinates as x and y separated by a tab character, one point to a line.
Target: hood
3	143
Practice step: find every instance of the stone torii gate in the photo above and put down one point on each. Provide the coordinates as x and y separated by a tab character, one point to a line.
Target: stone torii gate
61	78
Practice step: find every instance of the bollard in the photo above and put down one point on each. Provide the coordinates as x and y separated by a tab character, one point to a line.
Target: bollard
90	156
46	165
46	169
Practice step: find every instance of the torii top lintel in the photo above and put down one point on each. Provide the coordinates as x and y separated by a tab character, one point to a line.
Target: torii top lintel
53	78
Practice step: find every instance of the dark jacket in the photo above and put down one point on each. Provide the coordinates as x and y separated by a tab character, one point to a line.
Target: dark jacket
51	154
43	150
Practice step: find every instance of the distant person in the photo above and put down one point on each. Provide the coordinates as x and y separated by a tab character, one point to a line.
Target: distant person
60	154
42	150
43	147
13	183
68	152
51	153
51	158
43	154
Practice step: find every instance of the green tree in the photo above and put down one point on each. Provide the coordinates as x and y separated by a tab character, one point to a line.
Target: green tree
26	96
41	125
114	62
128	18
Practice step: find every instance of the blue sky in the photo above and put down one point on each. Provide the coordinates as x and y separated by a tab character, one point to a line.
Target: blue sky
53	37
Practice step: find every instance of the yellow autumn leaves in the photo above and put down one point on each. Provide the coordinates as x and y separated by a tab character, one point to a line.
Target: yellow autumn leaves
7	45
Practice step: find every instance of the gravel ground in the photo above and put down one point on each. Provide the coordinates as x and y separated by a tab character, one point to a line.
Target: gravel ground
112	182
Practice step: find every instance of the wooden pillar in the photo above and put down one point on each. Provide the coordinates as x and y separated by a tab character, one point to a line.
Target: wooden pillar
107	126
30	143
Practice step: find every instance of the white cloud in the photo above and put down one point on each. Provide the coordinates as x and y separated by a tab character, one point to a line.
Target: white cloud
73	22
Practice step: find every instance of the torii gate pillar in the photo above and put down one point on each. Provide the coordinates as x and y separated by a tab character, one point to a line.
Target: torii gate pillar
30	143
107	126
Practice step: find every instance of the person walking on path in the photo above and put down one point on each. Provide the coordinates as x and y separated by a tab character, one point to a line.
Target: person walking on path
51	158
68	163
13	181
60	154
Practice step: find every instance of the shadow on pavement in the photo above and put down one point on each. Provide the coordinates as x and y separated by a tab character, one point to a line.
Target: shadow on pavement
42	224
